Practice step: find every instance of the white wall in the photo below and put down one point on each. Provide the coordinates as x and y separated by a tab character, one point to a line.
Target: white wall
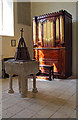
7	50
77	42
0	56
40	8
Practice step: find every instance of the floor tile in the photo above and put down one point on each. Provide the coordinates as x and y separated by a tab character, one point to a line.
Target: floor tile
55	99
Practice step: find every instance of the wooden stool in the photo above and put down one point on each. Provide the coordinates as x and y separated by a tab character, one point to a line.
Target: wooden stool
50	68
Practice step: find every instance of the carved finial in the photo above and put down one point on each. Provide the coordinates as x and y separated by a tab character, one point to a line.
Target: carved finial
21	32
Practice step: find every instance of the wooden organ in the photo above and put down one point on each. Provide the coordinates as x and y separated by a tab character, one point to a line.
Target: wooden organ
52	39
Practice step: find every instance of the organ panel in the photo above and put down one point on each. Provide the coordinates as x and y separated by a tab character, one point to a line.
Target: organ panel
52	39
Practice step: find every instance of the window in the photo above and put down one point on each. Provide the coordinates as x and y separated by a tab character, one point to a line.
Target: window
6	18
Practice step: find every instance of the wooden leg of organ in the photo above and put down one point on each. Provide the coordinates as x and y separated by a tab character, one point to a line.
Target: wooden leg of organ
10	85
34	84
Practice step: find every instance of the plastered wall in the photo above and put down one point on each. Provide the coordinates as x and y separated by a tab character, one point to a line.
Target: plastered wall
7	50
77	41
36	10
0	56
40	8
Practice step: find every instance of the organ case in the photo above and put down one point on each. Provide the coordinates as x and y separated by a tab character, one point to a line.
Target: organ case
52	39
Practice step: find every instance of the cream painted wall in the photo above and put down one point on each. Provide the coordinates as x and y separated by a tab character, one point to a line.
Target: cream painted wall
7	50
0	55
77	42
40	8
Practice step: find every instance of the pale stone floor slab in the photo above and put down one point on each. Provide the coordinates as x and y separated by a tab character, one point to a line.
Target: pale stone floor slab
55	99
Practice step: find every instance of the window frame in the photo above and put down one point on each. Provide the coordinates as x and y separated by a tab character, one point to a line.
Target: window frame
4	32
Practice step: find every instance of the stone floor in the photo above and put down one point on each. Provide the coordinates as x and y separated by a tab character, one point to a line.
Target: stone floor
55	99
